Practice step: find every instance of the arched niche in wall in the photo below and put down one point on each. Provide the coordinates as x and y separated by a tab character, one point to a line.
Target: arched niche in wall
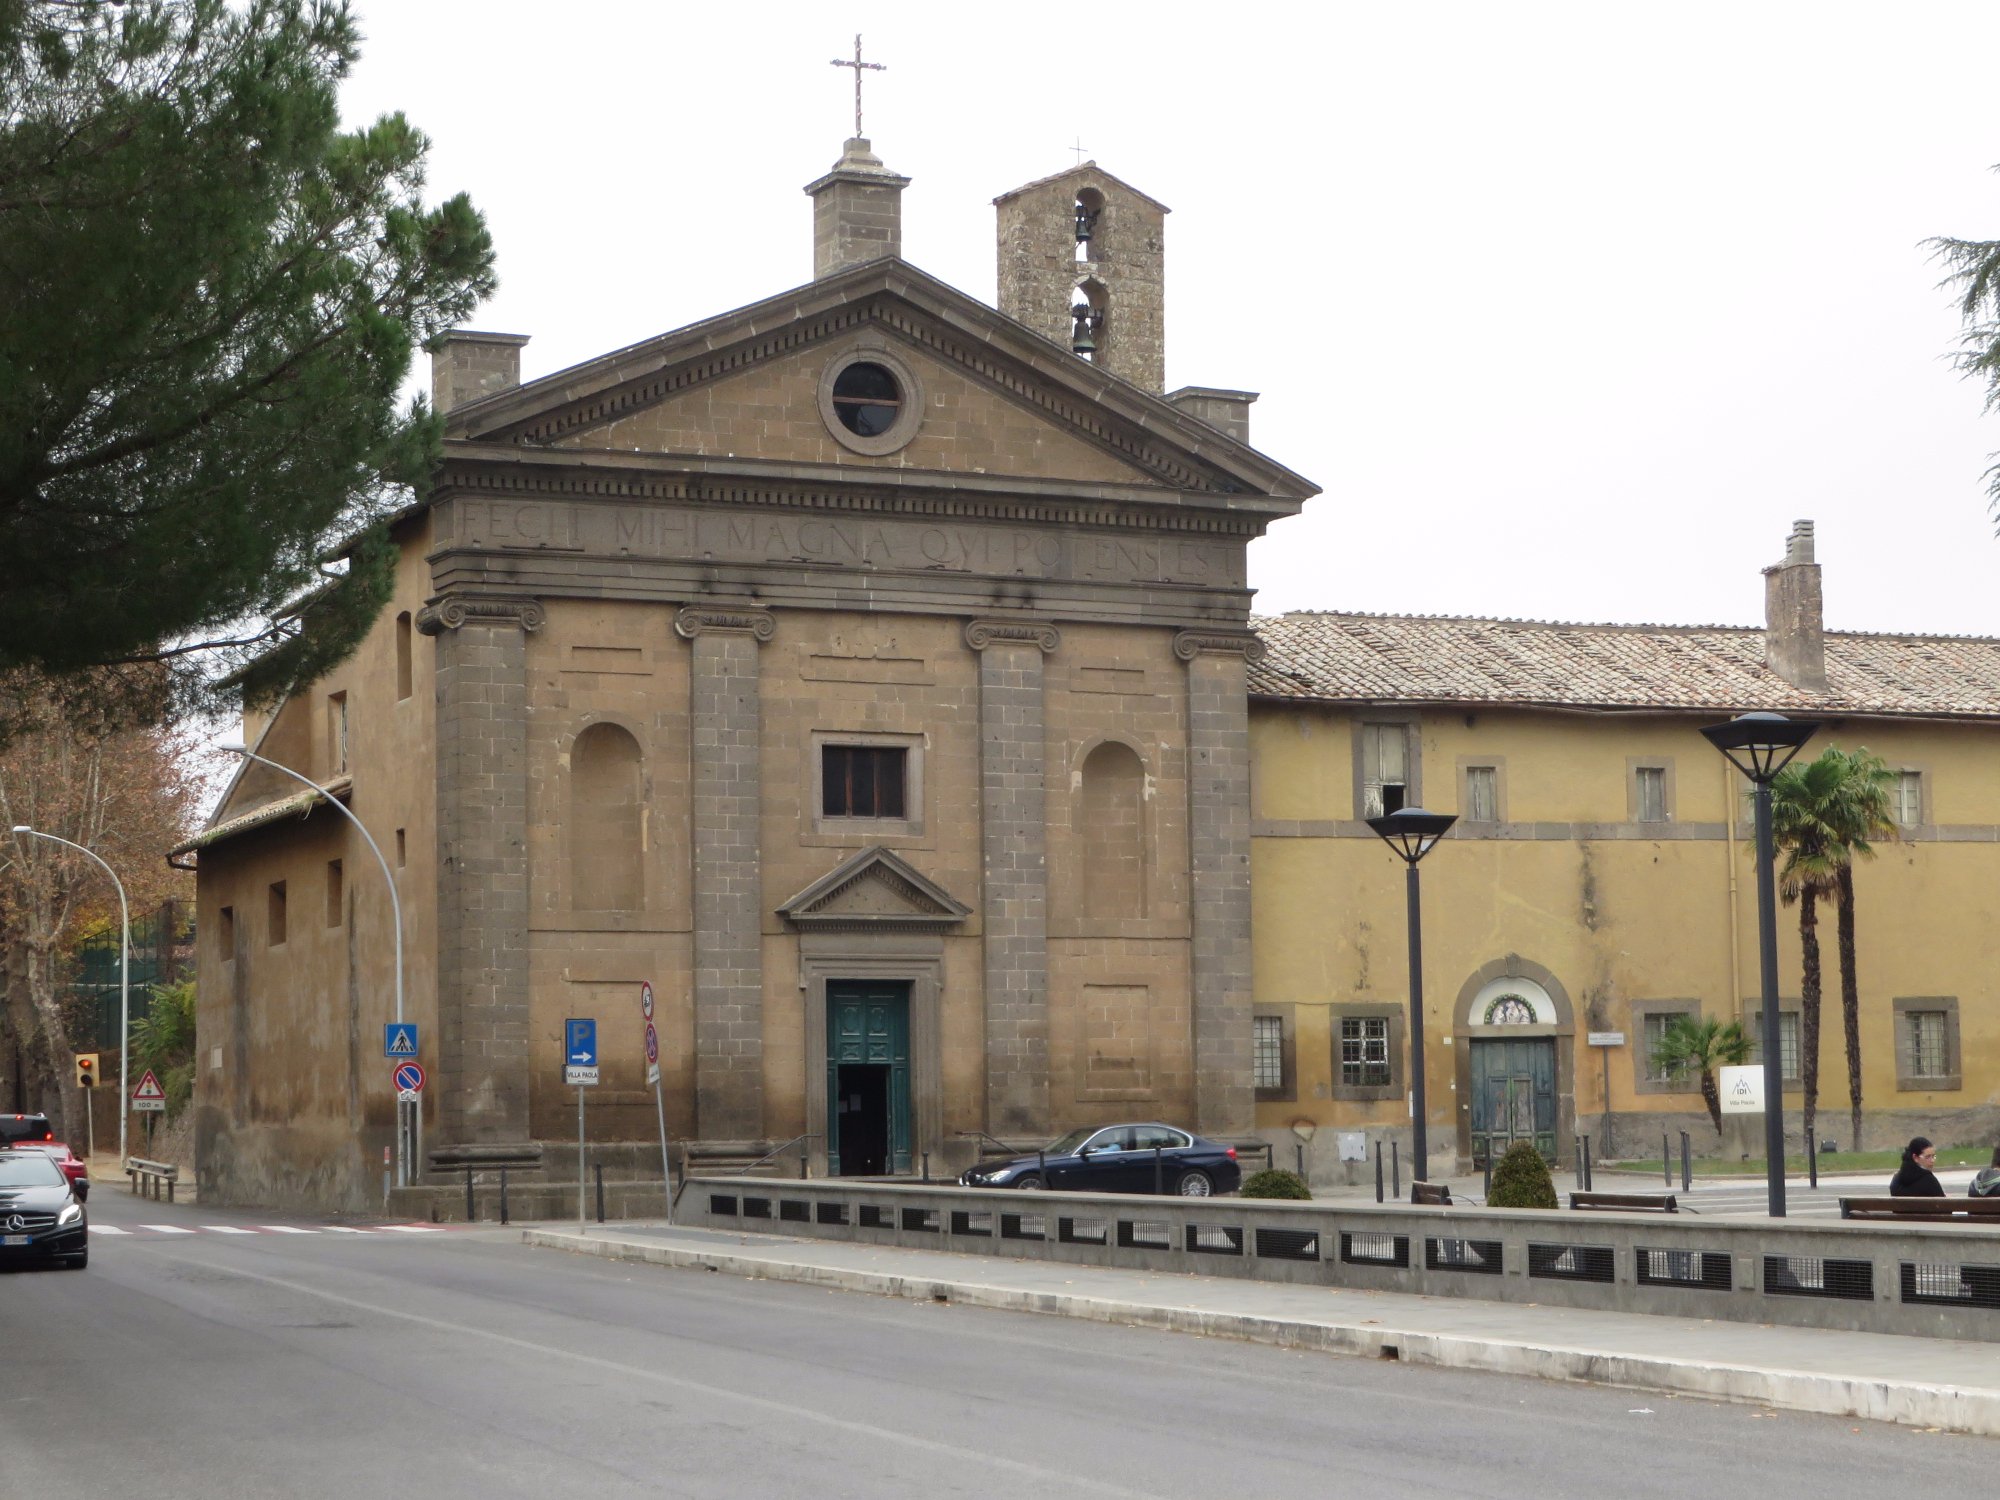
1111	826
606	821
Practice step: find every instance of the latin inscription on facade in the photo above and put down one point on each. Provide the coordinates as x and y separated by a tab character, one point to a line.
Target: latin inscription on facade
995	550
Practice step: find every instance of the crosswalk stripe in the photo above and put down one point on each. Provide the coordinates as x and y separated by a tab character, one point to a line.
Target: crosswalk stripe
166	1228
414	1228
226	1229
287	1229
346	1229
108	1229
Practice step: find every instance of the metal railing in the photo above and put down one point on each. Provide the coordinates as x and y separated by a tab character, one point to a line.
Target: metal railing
797	1140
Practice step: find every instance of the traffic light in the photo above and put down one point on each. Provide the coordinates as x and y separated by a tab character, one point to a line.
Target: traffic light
86	1070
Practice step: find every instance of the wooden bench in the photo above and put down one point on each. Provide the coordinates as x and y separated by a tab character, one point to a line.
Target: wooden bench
152	1176
1924	1210
473	1159
1657	1203
1438	1194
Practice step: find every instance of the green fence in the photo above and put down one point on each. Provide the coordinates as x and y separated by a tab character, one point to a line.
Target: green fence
162	951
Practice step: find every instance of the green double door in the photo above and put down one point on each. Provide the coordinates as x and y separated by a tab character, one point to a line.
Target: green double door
1513	1097
867	1077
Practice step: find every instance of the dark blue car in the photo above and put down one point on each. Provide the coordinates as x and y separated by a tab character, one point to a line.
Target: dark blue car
1118	1159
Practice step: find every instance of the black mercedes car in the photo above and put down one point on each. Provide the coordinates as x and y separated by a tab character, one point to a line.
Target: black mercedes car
41	1218
1119	1159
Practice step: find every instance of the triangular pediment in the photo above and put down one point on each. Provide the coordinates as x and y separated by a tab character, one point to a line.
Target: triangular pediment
875	889
1000	398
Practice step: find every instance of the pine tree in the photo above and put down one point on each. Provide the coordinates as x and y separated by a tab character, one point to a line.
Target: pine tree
209	301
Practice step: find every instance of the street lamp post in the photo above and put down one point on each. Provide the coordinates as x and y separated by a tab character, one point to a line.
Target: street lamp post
1761	745
124	983
1412	833
395	900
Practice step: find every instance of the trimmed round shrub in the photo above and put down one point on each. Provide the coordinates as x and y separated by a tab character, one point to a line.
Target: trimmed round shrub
1521	1180
1275	1183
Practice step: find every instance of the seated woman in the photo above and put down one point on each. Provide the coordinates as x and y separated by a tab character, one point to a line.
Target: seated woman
1987	1183
1914	1178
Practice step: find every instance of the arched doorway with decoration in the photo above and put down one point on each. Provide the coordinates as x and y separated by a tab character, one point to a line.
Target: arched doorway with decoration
1514	1036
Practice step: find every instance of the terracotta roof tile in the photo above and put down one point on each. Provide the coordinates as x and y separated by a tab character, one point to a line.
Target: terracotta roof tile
1450	659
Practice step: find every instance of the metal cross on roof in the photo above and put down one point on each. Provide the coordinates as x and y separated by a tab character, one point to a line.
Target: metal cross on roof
858	65
1079	148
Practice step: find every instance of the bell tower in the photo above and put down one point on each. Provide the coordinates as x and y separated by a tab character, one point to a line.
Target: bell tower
1083	262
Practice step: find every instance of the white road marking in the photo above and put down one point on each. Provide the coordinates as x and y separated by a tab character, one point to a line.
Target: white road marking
166	1228
286	1229
414	1228
346	1229
107	1229
222	1229
1056	1480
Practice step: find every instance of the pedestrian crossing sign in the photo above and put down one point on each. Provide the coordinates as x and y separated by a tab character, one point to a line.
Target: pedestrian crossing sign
399	1039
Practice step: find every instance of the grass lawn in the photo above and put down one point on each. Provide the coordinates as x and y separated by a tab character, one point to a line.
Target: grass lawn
1885	1162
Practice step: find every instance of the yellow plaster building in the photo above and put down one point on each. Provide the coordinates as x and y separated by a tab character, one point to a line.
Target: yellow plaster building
1599	878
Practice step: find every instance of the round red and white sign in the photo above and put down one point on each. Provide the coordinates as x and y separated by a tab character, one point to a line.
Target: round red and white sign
652	1044
646	999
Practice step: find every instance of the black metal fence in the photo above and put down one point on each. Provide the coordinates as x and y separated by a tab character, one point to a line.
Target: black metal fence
162	952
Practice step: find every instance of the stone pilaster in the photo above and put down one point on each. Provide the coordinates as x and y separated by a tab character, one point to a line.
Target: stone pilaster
1014	882
1219	853
728	880
482	819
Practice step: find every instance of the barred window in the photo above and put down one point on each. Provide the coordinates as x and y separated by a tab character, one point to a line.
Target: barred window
1364	1051
1788	1045
1269	1054
1657	1023
1929	1053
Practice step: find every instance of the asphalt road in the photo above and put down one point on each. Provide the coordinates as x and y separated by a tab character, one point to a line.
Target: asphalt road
457	1363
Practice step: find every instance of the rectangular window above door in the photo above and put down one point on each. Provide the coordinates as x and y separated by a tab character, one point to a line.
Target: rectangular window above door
862	781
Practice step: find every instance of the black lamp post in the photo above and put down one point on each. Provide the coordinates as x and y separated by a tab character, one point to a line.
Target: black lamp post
1760	746
1411	832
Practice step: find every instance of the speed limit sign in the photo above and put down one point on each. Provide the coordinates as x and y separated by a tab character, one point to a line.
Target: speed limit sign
646	999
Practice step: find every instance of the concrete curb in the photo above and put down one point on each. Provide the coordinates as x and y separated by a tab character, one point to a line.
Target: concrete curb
1951	1408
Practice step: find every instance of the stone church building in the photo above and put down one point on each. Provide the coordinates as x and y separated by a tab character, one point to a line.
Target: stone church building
863	669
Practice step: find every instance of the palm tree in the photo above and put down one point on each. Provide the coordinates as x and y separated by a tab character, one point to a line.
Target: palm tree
1865	815
1824	813
1701	1046
1809	819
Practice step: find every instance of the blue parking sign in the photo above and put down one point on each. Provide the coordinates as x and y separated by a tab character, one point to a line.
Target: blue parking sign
399	1039
580	1042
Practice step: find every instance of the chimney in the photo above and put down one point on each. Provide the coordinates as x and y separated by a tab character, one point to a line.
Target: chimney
1794	627
1227	411
857	211
466	365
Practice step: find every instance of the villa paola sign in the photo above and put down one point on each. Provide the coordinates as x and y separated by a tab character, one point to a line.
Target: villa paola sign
884	542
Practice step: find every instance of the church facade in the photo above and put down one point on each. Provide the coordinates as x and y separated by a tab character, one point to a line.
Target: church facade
863	670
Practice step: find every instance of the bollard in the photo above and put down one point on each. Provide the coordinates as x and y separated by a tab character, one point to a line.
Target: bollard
803	1174
1396	1170
469	1211
1812	1158
503	1195
1666	1160
1583	1161
1489	1169
1687	1164
927	1166
1159	1173
1378	1171
600	1192
1301	1149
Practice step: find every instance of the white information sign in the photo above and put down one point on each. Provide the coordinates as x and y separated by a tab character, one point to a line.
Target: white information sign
1607	1038
577	1077
1742	1089
652	1073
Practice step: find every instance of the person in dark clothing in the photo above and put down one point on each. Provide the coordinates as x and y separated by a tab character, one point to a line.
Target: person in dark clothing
1914	1178
1987	1183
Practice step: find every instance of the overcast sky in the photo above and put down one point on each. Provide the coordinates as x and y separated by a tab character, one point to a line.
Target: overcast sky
1570	309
